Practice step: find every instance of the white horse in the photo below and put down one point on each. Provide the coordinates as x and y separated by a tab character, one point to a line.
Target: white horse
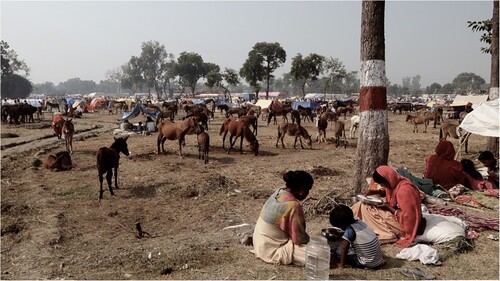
354	126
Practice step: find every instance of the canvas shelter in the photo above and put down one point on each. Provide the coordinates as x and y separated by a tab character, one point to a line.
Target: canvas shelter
273	95
314	96
483	120
138	108
309	104
461	100
263	103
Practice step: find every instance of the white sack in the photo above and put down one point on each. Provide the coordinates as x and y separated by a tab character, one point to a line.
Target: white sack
440	229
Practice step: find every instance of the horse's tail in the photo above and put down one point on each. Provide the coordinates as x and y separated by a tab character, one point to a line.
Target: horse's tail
222	128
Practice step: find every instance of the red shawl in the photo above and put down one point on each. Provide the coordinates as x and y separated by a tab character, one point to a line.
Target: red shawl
442	168
404	196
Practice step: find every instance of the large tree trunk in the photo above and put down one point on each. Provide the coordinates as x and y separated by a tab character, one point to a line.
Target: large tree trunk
373	141
492	143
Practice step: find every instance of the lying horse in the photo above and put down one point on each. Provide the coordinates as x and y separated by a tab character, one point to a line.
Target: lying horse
108	159
417	119
238	128
295	130
69	130
59	162
169	130
454	131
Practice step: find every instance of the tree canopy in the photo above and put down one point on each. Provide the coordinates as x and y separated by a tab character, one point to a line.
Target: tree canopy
306	69
14	85
190	68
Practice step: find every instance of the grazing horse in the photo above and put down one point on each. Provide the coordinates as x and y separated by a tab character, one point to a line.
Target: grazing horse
59	162
344	110
454	131
239	111
295	130
252	121
354	126
339	131
321	125
169	130
238	128
415	120
108	159
68	129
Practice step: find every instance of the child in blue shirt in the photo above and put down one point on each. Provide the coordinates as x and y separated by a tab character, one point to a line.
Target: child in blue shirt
360	246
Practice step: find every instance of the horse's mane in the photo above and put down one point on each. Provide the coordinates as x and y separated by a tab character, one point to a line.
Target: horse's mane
249	136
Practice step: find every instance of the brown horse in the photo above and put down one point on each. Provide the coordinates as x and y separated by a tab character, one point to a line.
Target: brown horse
276	108
344	110
418	119
461	116
68	129
108	159
339	131
59	162
321	125
293	130
452	130
169	130
238	128
203	144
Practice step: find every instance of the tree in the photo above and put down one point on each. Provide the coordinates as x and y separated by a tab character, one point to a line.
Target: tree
306	69
334	71
231	77
271	55
467	82
253	71
16	86
116	76
190	68
433	89
415	85
373	141
153	60
11	63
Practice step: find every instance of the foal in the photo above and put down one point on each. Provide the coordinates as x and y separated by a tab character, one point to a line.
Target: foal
203	143
59	162
293	130
68	130
108	158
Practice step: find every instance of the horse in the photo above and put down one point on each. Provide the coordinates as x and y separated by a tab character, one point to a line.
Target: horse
295	115
306	113
201	117
223	107
239	111
277	108
203	144
344	110
59	162
295	130
252	121
175	131
415	120
454	131
108	159
238	128
461	116
68	129
50	105
321	125
354	126
331	117
339	131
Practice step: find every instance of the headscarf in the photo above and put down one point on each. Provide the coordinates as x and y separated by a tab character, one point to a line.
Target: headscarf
442	168
403	195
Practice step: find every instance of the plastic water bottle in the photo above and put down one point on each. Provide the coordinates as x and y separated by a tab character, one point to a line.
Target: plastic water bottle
317	259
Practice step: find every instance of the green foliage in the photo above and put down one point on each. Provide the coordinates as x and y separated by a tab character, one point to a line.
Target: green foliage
306	69
253	71
485	26
190	68
433	89
16	86
13	84
213	76
467	81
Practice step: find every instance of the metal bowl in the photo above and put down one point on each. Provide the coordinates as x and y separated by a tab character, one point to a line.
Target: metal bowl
332	233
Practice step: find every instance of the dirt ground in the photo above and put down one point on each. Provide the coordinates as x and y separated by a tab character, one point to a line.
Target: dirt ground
54	228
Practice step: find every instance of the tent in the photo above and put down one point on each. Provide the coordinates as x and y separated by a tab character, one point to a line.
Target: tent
275	95
483	120
138	108
464	100
309	104
263	103
314	96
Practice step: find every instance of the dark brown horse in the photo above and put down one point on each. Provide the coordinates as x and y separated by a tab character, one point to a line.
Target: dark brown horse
339	131
293	130
108	159
223	107
169	130
68	129
59	162
238	128
203	144
321	125
276	108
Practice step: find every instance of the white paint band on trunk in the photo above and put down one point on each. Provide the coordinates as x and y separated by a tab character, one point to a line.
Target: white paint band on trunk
493	93
372	122
373	73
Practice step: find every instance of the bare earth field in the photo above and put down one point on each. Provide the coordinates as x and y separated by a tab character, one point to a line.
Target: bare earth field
54	228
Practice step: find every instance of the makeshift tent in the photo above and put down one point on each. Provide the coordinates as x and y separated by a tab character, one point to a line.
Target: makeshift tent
263	103
483	120
464	100
275	95
309	104
97	101
314	96
138	108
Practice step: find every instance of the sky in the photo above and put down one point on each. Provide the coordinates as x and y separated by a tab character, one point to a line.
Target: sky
60	40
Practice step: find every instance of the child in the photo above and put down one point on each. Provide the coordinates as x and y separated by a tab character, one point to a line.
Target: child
473	177
366	247
489	161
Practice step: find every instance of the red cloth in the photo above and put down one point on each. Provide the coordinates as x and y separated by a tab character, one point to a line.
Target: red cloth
57	123
403	194
442	168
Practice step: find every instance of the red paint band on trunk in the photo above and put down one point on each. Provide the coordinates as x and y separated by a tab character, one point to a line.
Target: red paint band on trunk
372	98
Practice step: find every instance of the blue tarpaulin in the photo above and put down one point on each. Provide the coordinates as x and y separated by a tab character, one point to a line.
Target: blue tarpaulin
309	104
138	108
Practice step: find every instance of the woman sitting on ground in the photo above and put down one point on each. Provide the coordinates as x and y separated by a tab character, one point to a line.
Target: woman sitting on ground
489	161
280	233
399	218
442	168
474	179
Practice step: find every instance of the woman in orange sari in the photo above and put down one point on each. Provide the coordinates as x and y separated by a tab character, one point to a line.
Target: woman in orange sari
398	219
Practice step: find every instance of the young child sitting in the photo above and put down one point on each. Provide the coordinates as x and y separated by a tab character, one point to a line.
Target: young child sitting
366	251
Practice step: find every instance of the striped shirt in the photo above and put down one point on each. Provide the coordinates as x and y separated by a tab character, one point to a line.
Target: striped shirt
364	243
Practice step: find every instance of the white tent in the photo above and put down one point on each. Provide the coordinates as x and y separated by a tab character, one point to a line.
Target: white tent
463	100
483	120
314	96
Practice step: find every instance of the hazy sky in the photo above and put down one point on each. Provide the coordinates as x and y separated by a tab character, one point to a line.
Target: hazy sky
68	39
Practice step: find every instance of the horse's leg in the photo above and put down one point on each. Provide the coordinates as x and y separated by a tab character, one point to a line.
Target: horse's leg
300	139
241	143
425	127
158	141
181	141
109	177
116	177
231	143
295	142
101	191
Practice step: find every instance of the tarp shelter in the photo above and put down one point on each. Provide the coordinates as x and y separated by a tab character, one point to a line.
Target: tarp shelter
464	100
274	95
309	104
138	108
314	96
483	120
96	101
263	103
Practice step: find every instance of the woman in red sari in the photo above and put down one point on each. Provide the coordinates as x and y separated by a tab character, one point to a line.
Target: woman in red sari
442	168
401	214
